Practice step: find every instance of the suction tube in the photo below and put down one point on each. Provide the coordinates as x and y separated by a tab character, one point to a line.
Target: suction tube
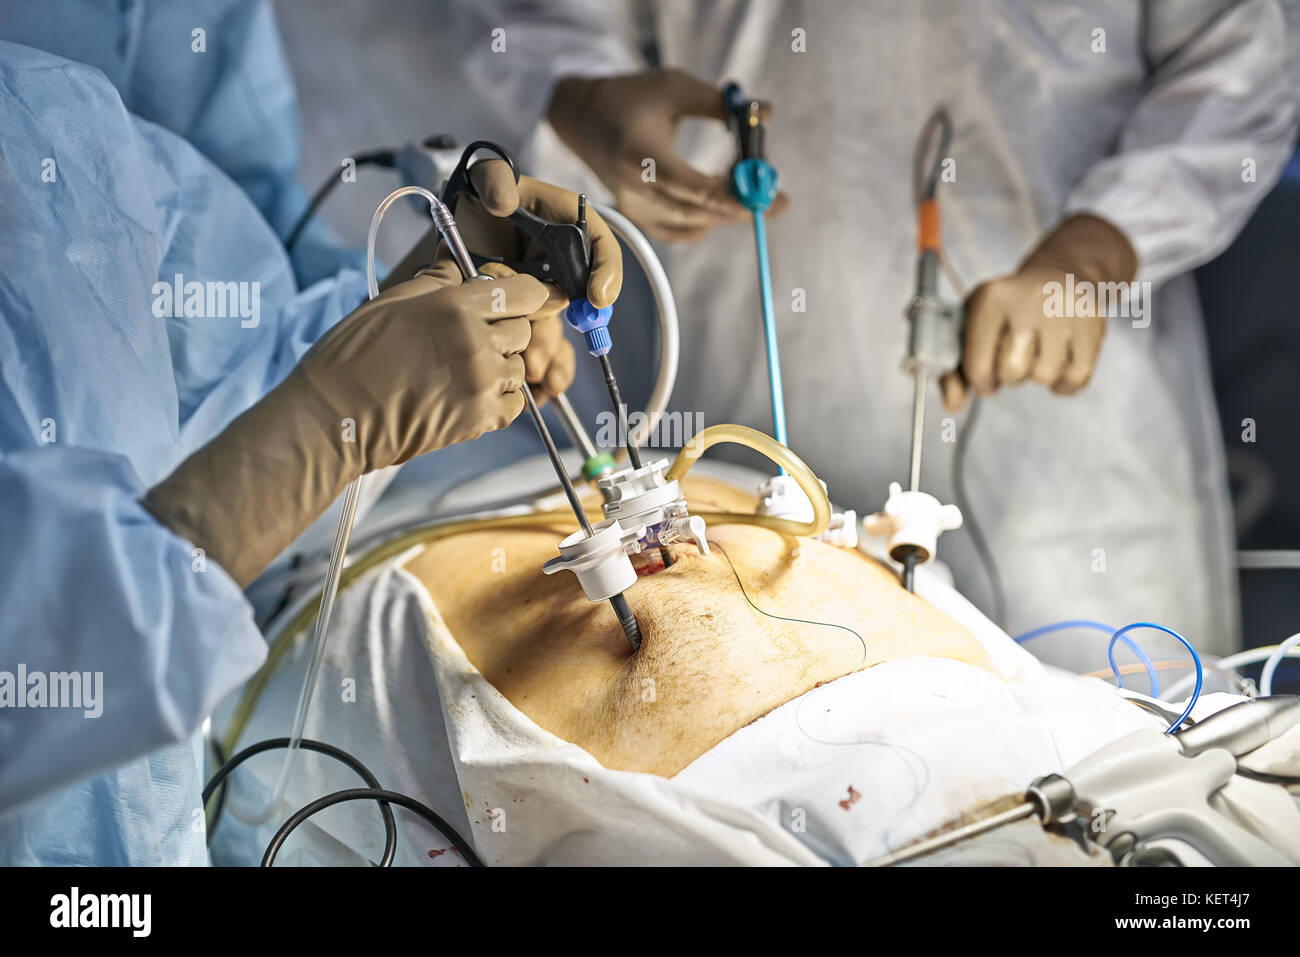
780	455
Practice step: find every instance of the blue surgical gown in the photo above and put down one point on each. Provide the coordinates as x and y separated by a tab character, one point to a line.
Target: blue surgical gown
102	393
214	73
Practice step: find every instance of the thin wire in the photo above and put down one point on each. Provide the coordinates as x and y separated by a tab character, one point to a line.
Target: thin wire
1252	656
921	782
1275	659
1152	676
1200	672
799	621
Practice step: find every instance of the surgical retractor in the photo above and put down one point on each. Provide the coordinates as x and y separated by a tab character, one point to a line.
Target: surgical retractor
913	520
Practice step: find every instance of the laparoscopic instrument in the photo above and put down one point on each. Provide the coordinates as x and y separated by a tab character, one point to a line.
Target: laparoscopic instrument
913	520
598	550
642	508
1152	795
754	183
446	226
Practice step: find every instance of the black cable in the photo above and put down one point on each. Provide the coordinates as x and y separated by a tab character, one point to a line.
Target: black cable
924	187
307	744
370	794
221	800
286	596
633	454
384	158
981	544
1285	779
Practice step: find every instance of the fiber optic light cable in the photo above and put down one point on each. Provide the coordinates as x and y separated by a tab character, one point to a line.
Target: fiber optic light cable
1200	672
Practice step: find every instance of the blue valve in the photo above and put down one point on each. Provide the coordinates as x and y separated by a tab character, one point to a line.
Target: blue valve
593	323
754	182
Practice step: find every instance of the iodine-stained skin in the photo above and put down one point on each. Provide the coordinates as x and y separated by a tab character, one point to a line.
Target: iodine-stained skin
709	663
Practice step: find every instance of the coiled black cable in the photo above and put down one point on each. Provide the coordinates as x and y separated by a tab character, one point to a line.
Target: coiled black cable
271	744
370	794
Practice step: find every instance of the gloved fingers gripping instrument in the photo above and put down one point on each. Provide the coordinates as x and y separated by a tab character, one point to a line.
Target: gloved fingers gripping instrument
561	253
598	554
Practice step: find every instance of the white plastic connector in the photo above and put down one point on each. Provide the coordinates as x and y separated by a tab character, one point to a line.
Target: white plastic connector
842	532
782	497
642	496
912	520
685	528
600	561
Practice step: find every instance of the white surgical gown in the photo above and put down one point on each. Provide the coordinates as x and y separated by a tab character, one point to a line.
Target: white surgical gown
1171	120
101	395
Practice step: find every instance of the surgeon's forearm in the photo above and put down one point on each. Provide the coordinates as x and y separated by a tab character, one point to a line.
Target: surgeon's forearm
244	500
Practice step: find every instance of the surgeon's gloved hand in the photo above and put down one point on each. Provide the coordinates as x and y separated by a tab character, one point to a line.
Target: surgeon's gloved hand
616	123
429	363
1016	330
549	359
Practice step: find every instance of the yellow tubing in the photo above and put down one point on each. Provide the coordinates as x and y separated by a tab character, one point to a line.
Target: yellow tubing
767	446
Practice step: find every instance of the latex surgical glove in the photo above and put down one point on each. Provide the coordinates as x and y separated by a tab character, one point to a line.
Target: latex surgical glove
1017	330
428	363
549	360
616	123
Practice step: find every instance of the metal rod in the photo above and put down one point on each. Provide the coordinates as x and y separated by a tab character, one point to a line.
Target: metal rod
627	620
949	838
918	430
446	224
573	426
556	461
615	396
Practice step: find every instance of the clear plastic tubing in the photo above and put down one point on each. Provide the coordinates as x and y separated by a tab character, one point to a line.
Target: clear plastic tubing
339	550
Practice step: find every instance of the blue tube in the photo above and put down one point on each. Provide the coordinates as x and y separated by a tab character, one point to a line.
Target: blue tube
1200	674
769	330
1098	626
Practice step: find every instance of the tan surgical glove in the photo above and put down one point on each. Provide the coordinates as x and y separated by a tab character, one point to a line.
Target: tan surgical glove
429	363
614	124
549	359
1011	334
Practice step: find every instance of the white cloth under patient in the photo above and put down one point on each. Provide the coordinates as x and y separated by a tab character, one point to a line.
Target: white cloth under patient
839	775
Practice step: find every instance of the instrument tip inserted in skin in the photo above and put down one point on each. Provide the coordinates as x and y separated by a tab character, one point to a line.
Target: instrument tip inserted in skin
627	620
